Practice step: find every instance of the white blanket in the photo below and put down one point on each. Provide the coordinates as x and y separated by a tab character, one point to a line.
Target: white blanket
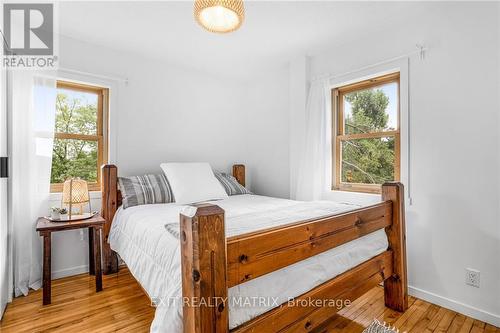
152	253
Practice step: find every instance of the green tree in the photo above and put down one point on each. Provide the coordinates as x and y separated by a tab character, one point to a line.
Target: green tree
74	157
367	161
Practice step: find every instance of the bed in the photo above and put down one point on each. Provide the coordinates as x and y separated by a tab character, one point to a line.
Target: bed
260	264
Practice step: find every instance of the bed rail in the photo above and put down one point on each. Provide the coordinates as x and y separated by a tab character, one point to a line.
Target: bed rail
252	255
211	264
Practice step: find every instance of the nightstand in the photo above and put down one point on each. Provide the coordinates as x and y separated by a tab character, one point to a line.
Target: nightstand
46	228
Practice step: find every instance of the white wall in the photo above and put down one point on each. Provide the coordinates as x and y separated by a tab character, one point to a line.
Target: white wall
299	72
168	113
267	152
454	107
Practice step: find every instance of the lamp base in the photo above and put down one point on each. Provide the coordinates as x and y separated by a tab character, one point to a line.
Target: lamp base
74	217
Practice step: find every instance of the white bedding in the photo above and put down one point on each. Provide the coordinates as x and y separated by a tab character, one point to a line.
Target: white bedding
152	253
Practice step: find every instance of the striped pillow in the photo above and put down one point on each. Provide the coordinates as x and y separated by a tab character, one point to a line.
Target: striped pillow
143	190
230	184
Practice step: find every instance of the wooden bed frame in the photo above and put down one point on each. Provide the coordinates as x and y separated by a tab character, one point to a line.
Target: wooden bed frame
212	263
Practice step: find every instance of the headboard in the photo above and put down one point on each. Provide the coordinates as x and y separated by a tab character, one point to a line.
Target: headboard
112	199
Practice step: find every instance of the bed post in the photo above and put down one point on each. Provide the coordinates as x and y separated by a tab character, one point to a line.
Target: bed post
239	173
204	272
396	286
109	180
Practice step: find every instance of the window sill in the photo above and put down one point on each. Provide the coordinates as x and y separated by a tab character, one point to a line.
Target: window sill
359	189
56	196
357	198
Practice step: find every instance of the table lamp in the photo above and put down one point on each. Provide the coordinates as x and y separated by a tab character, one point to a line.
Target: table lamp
76	192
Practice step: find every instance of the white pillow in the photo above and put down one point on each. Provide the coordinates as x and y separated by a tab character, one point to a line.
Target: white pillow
193	182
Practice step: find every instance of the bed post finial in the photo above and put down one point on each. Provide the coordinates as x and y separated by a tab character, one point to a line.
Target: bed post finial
239	173
109	183
204	271
396	286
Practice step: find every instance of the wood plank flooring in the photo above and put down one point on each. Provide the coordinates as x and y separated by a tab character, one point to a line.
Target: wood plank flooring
123	307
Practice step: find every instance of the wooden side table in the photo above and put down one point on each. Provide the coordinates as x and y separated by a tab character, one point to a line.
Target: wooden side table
45	227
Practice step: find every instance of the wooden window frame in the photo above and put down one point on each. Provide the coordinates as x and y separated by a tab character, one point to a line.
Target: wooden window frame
102	130
339	135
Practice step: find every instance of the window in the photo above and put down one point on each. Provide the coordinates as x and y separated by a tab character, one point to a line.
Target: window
80	139
366	134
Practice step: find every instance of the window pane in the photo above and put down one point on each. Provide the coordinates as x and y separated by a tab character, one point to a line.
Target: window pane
368	161
371	110
74	158
76	112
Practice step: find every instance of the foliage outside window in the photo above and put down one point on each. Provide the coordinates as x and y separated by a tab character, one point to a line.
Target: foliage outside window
80	145
367	138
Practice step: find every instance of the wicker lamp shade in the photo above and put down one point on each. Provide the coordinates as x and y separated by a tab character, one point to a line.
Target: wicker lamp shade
75	191
220	16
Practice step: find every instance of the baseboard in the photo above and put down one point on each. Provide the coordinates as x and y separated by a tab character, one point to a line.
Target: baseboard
457	306
70	271
62	273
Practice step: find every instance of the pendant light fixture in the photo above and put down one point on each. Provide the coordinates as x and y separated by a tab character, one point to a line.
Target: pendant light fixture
220	16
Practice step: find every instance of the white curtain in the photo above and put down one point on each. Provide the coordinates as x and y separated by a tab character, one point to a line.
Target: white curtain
312	178
32	104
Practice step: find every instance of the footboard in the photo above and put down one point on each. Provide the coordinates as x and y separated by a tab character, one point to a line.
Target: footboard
211	264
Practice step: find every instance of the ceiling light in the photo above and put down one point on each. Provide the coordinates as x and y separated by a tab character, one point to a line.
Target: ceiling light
219	16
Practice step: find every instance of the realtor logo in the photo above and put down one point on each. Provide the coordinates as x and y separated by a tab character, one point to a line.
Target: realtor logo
29	29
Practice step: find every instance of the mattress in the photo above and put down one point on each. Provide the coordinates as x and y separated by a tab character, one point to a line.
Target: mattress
145	238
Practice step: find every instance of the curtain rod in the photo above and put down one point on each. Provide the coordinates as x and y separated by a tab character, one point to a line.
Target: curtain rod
99	76
421	52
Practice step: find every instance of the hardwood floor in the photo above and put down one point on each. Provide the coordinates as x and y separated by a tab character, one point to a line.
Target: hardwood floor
123	307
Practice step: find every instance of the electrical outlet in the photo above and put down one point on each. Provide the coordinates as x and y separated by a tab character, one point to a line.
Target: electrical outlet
472	277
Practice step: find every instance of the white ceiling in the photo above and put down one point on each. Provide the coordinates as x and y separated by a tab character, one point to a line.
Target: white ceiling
273	32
